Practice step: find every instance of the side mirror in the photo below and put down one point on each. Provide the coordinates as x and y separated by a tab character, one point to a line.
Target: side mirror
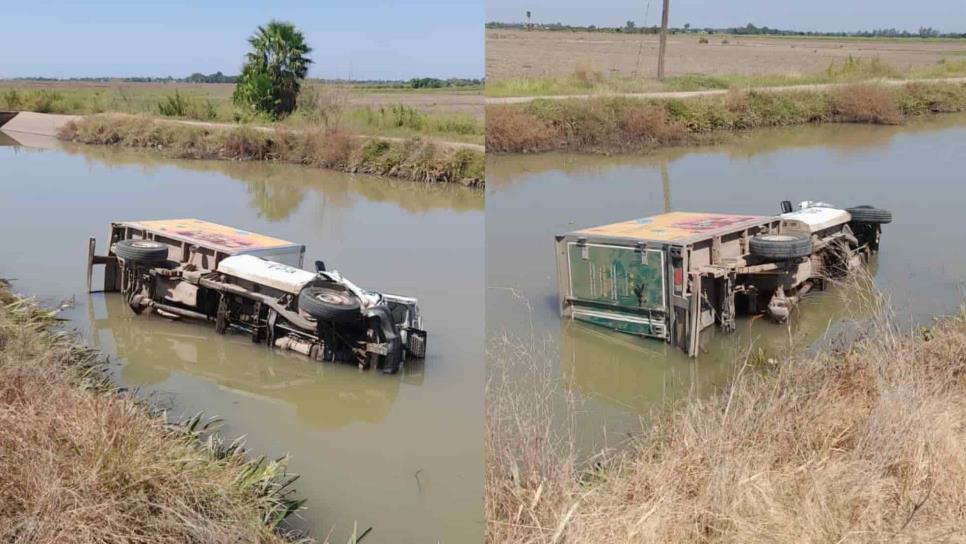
319	266
786	206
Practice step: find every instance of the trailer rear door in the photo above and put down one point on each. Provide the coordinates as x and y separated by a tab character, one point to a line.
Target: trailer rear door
619	287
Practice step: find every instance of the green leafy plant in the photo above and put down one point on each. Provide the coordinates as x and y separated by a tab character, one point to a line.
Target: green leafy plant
274	69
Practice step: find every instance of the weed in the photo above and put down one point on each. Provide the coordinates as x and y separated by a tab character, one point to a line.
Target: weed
335	148
864	438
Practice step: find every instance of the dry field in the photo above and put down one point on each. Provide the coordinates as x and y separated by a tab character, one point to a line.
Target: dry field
443	101
132	97
519	54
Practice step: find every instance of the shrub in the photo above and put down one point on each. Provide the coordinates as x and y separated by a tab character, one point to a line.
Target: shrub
703	40
512	129
323	105
864	103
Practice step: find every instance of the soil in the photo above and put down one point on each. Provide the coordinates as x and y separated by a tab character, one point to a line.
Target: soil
518	53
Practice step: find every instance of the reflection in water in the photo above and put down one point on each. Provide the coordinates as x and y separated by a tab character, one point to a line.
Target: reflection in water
277	189
6	139
640	374
841	138
324	396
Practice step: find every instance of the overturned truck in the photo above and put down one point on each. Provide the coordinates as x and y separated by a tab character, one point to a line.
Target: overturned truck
254	284
673	275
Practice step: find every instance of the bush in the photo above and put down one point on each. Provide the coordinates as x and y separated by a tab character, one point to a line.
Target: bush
703	40
179	105
864	103
512	129
323	105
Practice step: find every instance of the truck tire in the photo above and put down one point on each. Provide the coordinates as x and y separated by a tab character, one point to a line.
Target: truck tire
780	246
330	303
141	251
869	214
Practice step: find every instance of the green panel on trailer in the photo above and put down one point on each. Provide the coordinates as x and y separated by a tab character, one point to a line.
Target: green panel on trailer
621	276
625	324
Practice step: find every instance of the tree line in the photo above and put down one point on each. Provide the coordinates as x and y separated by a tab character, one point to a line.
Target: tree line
630	27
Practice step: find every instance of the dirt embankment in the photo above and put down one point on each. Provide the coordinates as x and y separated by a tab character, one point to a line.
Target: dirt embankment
620	123
414	159
864	442
82	463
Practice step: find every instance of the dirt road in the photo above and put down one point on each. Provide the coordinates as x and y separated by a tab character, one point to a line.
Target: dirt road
711	92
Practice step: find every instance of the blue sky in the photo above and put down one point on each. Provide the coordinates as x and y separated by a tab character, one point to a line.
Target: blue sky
361	39
828	15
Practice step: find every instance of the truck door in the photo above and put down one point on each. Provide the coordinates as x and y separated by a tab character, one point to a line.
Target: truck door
619	287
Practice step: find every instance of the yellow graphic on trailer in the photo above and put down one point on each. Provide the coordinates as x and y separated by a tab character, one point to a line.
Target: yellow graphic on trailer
213	235
673	226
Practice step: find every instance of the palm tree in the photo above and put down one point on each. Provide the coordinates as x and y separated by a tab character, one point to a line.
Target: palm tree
278	57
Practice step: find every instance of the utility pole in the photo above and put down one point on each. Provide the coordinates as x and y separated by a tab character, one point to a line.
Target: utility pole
663	46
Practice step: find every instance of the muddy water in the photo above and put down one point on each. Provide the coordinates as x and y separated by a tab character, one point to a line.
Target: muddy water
401	454
916	171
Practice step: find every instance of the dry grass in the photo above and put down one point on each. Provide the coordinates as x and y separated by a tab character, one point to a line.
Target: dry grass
865	103
81	463
414	159
515	129
632	124
864	442
516	56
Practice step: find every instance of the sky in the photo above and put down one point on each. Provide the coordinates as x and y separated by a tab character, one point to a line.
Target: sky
360	39
824	15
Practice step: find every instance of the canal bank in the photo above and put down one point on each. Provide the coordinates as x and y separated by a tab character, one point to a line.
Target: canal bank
633	124
83	462
416	159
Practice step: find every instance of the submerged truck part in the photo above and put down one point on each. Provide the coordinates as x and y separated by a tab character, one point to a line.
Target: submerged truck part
673	275
250	283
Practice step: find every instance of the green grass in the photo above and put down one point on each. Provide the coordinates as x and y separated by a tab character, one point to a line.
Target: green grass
850	70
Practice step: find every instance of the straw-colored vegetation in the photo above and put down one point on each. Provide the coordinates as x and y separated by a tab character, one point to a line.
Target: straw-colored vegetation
413	159
863	442
80	462
587	80
632	124
319	106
